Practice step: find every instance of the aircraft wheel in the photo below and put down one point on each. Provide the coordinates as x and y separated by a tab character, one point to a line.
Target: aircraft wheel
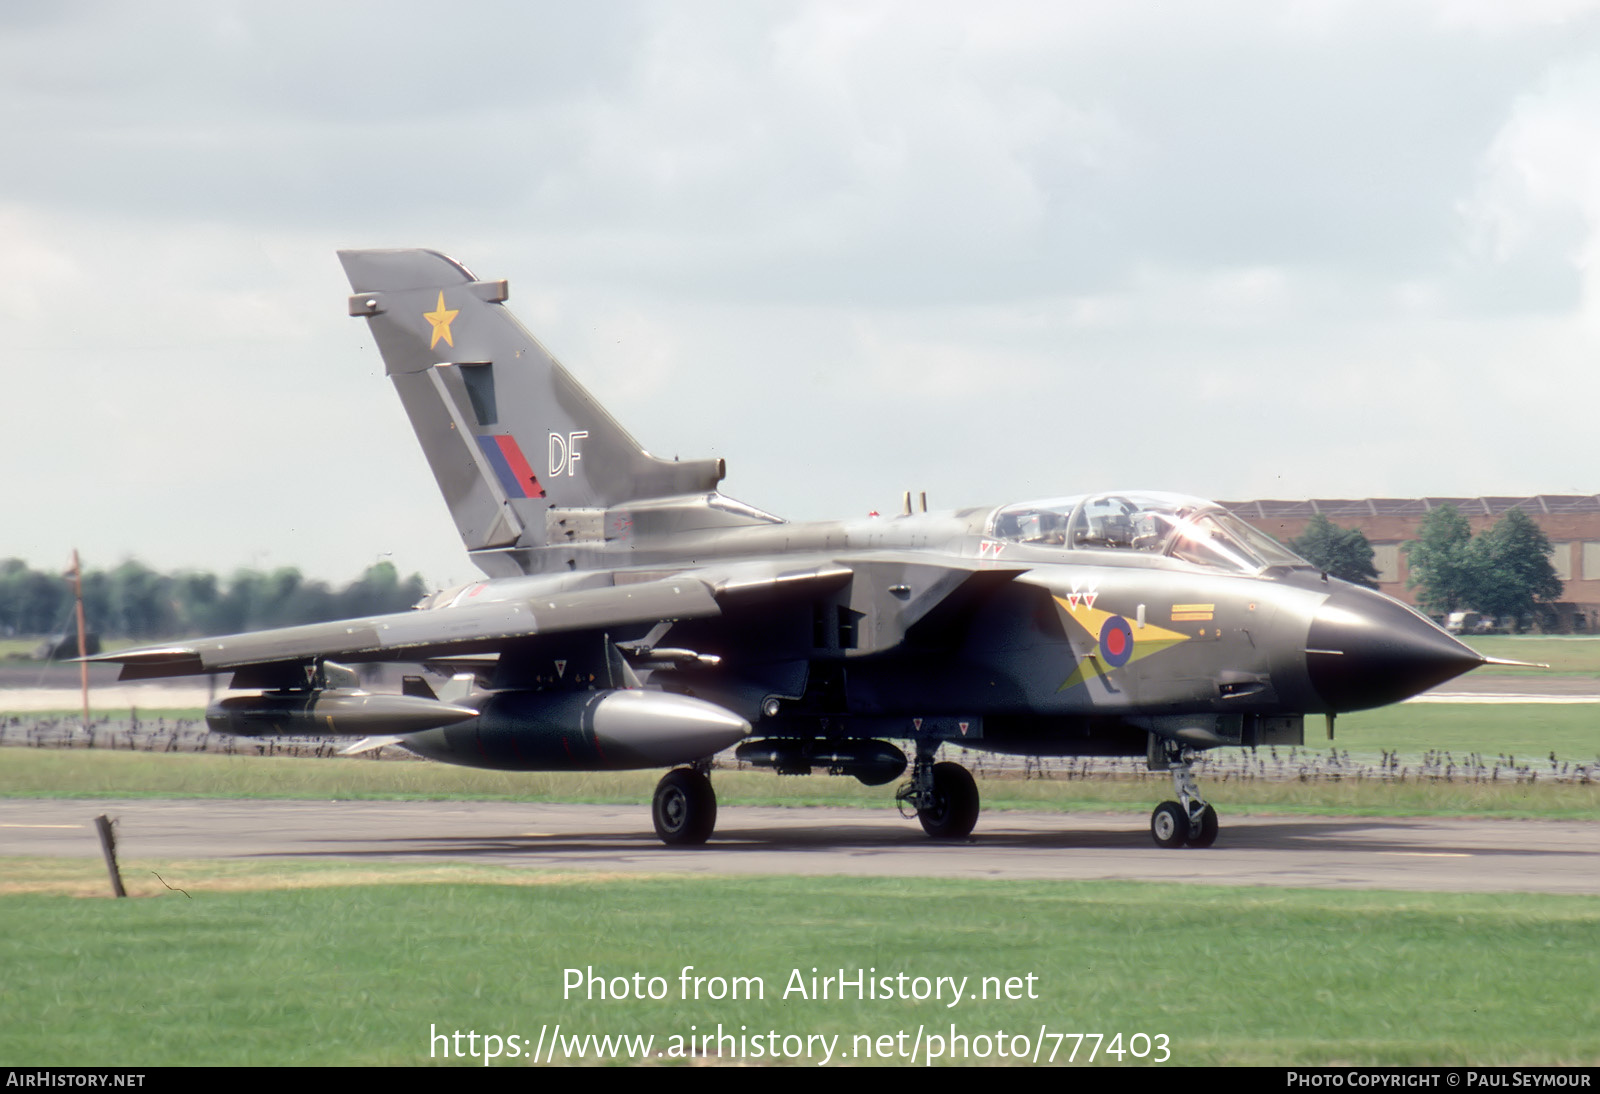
685	807
1169	825
953	813
1206	834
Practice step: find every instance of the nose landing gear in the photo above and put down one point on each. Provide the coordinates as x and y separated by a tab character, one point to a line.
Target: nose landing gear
1190	821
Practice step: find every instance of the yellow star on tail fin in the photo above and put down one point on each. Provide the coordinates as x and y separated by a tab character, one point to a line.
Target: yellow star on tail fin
441	318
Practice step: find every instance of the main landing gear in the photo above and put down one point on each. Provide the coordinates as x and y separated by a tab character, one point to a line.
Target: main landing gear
685	807
944	795
1189	821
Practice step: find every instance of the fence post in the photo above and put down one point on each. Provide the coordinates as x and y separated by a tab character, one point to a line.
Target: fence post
108	845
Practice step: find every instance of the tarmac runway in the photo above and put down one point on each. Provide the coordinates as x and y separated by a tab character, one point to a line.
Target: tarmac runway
1458	855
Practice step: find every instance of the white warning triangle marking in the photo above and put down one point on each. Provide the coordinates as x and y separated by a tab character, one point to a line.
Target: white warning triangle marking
916	723
963	726
561	668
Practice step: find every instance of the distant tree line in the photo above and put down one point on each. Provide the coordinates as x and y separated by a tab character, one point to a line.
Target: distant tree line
1504	572
134	601
1338	552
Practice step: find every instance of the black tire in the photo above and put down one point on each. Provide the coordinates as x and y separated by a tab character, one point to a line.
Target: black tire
1169	825
953	813
1206	833
684	808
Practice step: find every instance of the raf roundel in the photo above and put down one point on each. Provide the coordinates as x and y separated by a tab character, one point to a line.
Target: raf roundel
1116	641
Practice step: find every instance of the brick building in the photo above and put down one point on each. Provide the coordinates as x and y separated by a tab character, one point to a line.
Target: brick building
1571	521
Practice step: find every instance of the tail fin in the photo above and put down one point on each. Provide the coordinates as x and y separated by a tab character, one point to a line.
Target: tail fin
521	452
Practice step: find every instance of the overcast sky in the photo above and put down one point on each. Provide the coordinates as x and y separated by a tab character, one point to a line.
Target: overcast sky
991	251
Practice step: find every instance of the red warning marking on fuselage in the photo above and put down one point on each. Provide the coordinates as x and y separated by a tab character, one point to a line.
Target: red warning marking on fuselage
963	726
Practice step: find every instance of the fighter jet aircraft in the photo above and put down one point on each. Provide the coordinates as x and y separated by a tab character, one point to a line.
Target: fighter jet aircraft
633	616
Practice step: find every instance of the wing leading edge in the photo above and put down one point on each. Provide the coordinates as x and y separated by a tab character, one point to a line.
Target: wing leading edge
417	635
487	628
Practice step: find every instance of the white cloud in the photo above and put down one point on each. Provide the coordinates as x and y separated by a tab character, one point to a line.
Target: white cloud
1494	17
856	248
1541	189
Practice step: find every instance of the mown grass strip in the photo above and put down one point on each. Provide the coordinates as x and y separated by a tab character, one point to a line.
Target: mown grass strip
1573	655
360	974
96	774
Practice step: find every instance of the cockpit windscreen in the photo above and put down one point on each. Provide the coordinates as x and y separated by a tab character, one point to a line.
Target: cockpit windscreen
1181	527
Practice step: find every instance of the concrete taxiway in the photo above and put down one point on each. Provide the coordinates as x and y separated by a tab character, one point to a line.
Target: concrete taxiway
1458	855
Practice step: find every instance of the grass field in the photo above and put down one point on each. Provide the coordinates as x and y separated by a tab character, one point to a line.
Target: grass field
1574	655
1527	734
354	964
330	963
1528	730
1531	730
275	965
95	774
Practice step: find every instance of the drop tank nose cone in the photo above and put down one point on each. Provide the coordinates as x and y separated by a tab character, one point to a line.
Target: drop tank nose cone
1365	650
660	727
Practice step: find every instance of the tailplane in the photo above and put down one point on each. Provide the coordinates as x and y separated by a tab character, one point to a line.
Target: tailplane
525	457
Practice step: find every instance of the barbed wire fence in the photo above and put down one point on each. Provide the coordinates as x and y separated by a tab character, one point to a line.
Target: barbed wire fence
1275	763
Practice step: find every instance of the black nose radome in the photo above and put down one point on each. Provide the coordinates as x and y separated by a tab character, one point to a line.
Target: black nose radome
1365	650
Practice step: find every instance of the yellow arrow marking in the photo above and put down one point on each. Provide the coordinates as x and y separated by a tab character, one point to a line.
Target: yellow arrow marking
1147	639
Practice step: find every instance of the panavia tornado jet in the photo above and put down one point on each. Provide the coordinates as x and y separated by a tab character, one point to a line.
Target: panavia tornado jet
633	616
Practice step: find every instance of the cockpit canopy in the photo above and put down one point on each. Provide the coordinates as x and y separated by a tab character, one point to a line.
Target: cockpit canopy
1191	529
